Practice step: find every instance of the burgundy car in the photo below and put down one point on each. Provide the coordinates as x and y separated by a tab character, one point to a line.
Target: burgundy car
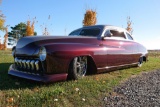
88	50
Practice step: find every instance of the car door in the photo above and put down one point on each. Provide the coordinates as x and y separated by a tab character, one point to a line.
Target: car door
117	54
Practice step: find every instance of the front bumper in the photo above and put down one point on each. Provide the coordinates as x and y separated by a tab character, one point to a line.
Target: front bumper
41	78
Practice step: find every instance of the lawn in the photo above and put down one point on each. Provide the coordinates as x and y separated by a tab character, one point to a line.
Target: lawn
89	91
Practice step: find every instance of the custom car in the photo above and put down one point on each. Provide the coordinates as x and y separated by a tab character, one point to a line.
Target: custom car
87	50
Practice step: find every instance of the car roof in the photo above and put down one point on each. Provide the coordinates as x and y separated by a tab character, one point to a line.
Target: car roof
102	27
107	26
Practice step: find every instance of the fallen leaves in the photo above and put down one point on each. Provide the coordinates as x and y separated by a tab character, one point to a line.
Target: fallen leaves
83	99
36	89
10	100
77	89
103	82
55	99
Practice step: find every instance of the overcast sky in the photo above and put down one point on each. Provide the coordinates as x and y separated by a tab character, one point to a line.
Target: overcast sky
63	16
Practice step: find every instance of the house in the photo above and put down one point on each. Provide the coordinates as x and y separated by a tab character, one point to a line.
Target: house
11	42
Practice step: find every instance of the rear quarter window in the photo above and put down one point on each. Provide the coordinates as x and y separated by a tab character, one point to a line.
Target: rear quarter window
129	36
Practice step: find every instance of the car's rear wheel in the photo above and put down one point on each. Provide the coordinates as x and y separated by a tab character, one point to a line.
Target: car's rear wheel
78	67
140	62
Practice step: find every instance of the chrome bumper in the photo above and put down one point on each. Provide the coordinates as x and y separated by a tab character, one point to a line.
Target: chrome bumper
37	77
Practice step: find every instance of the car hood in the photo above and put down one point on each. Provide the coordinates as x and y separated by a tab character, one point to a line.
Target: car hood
30	45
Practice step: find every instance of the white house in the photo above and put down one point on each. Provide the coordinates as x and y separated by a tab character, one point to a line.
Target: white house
11	42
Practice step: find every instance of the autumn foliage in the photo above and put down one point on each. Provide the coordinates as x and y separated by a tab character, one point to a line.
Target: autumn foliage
90	18
5	38
30	28
129	25
2	20
1	23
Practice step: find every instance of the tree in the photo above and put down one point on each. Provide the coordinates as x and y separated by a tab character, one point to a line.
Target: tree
30	28
45	28
18	30
2	28
129	27
89	18
45	32
5	38
2	20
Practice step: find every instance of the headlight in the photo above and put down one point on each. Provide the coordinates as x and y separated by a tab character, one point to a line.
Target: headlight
42	53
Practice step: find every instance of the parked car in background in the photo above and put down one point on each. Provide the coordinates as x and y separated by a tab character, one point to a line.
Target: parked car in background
87	50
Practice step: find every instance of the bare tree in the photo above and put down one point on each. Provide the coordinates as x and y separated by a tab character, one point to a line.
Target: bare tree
45	27
129	25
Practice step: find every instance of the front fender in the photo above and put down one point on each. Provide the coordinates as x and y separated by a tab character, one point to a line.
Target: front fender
60	55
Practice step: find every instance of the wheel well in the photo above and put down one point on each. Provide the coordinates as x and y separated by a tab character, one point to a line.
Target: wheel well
144	58
91	68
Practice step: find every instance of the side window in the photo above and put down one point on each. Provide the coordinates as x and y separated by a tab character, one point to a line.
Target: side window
76	32
129	36
117	34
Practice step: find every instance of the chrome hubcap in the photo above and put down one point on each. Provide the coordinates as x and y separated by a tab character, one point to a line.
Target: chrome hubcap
80	66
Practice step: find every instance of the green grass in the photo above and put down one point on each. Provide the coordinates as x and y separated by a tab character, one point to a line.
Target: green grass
89	91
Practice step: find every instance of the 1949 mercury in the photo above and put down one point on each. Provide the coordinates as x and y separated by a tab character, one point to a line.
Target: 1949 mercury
87	50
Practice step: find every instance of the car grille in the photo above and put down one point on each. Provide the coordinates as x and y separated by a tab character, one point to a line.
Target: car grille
28	65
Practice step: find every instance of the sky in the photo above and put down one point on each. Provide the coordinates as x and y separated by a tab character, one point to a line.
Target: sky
63	16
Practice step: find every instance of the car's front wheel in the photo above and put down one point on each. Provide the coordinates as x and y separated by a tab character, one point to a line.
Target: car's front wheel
78	67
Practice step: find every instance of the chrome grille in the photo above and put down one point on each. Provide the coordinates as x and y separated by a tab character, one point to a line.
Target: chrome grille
24	64
28	65
32	65
36	65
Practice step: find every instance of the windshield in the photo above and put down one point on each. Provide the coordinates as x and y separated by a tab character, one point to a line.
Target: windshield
90	32
86	32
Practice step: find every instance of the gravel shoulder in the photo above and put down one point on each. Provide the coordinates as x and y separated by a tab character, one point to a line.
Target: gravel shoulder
140	91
